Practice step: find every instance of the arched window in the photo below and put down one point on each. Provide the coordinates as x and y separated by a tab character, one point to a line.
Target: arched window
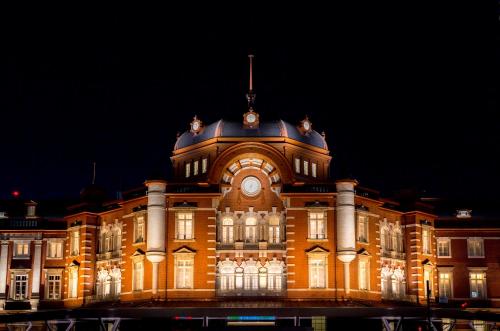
117	239
262	278
116	279
239	278
251	230
226	274
274	278
274	230
227	230
251	278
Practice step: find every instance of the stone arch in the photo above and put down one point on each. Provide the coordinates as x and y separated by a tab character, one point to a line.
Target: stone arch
256	150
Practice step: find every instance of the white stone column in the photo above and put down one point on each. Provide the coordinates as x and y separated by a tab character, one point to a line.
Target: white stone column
156	228
4	254
35	283
346	227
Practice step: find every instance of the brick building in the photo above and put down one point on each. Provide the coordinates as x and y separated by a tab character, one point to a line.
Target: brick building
250	212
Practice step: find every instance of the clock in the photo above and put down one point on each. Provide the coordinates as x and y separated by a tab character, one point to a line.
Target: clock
196	126
307	125
251	186
251	118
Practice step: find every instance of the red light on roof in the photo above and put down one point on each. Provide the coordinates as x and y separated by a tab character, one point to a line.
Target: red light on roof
16	194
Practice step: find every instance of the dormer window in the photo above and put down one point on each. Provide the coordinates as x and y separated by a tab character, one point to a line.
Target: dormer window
464	213
297	165
188	170
195	167
306	168
204	165
314	167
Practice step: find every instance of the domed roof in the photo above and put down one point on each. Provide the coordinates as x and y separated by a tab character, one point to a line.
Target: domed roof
223	128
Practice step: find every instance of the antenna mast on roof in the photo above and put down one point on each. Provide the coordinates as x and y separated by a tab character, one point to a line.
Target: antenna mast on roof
93	175
250	94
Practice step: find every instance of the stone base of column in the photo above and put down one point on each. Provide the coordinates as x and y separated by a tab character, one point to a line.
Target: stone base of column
34	304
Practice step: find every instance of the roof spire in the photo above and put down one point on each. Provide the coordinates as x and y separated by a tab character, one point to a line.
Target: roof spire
250	94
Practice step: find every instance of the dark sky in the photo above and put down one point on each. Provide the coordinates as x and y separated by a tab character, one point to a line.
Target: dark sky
406	91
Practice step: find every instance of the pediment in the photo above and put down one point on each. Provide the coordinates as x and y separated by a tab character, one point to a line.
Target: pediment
184	250
317	250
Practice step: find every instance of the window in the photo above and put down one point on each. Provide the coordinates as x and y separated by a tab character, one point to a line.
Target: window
306	168
251	277
317	273
317	225
227	230
363	274
54	249
427	279
238	278
74	243
297	165
445	284
274	230
314	171
251	230
443	246
139	229
188	170
475	247
195	167
385	238
184	273
21	250
138	276
184	225
363	228
73	282
226	278
477	285
20	287
274	277
204	165
426	243
53	287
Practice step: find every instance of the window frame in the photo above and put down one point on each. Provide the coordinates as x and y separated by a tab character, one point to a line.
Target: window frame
23	256
482	272
439	241
449	272
297	165
58	242
314	169
426	242
366	223
140	219
179	220
324	224
204	165
53	273
481	242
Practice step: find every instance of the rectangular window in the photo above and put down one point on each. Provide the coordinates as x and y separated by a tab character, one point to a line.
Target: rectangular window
317	225
363	228
184	274
73	283
20	287
363	274
188	170
475	247
443	246
227	230
139	232
477	285
74	244
314	169
427	279
21	250
274	230
185	225
53	287
317	273
297	165
306	168
445	284
195	168
426	243
204	165
54	249
138	276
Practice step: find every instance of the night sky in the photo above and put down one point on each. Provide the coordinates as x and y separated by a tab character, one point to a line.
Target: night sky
406	92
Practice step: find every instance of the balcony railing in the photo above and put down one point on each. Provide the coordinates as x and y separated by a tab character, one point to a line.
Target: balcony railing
109	255
250	293
262	245
393	254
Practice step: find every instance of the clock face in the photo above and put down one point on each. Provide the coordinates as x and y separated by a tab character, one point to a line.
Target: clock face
307	125
251	186
196	125
251	118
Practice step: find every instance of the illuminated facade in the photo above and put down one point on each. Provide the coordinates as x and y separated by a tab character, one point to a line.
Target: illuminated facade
250	212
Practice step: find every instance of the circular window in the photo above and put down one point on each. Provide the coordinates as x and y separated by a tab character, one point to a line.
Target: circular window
251	186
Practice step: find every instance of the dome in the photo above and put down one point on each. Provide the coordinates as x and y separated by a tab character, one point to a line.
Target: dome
227	129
